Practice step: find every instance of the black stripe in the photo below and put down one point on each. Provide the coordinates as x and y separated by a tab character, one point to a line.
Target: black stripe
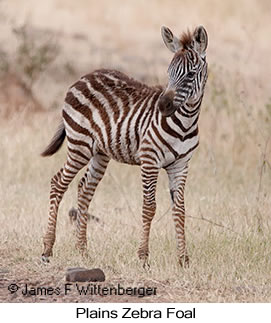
182	155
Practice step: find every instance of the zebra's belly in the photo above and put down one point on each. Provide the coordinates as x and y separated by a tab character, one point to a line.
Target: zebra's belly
130	161
129	153
123	152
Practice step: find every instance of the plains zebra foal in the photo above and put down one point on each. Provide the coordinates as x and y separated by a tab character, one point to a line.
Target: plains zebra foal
108	115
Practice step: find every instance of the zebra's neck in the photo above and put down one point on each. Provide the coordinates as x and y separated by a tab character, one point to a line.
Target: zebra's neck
183	121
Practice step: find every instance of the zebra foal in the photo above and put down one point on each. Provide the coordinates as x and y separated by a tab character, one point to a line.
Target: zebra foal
108	115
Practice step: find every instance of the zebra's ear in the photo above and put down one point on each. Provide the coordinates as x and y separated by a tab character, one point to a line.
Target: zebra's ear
171	41
200	40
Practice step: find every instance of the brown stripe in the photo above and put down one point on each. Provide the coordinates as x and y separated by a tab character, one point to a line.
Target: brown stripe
147	168
191	112
191	134
80	143
75	103
183	155
188	114
75	126
173	133
71	165
76	162
167	128
147	161
163	141
155	143
101	172
78	153
147	149
178	122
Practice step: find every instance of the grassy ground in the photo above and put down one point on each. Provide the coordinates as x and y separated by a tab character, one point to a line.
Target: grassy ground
228	198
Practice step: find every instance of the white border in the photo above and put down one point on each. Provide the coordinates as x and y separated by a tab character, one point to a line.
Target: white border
209	313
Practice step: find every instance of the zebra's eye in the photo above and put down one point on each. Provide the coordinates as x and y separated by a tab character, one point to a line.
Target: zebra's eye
190	74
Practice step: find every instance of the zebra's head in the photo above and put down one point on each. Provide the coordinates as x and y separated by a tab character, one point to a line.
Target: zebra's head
187	71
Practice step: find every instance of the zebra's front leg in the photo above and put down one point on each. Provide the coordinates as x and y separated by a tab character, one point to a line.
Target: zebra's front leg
149	176
177	178
86	190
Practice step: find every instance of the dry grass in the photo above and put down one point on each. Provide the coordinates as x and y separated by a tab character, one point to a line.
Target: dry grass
228	198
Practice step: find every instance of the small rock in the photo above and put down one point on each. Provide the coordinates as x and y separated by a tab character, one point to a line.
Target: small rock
75	268
80	274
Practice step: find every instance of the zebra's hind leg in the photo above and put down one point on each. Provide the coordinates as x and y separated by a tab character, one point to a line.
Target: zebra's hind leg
177	178
59	185
149	176
86	190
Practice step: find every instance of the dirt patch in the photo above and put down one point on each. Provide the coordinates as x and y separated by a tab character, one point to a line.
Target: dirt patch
51	287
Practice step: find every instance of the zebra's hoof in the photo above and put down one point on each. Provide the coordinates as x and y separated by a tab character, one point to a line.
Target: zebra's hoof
184	261
82	250
146	265
143	257
45	260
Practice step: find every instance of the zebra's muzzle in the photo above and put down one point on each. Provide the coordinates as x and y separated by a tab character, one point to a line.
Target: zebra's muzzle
166	105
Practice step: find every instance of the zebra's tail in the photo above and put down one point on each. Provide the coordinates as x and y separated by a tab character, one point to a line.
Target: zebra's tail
56	141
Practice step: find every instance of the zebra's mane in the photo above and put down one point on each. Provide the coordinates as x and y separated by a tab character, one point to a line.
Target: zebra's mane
186	39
